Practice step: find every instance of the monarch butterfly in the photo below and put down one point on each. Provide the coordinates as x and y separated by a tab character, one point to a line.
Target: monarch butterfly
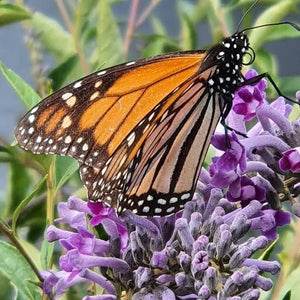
140	130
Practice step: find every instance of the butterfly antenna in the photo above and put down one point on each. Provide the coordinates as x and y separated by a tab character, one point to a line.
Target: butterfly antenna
297	27
245	14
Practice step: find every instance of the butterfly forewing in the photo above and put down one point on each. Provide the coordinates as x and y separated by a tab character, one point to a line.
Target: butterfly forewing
103	119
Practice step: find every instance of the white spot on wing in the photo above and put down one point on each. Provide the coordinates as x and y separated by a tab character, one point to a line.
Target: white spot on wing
162	201
185	196
34	110
77	84
31	118
146	209
130	63
157	210
66	96
101	73
131	139
173	200
149	198
68	139
170	209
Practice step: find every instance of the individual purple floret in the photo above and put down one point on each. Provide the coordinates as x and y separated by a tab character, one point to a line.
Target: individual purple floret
248	98
290	160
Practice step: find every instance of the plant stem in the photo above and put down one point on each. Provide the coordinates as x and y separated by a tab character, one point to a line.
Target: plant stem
146	13
131	24
9	234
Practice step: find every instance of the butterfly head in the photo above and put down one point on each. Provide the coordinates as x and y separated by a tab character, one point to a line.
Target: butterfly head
228	57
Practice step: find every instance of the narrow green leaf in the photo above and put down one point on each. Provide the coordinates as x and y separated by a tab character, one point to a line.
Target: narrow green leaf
273	14
65	167
85	13
19	183
189	35
159	44
282	32
265	62
158	27
287	296
54	38
268	252
110	47
10	13
20	207
289	85
33	252
25	92
291	285
60	74
17	270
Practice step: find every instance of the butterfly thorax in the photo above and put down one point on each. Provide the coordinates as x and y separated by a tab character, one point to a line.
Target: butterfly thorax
228	56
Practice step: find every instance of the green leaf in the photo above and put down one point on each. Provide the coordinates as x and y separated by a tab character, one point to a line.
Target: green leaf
282	32
53	37
287	296
265	62
20	207
159	44
19	182
110	47
18	271
85	13
5	287
25	92
196	12
158	27
10	13
289	85
273	14
268	252
291	285
60	73
189	34
65	167
33	252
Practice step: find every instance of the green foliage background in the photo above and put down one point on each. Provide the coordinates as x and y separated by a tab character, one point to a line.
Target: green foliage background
90	39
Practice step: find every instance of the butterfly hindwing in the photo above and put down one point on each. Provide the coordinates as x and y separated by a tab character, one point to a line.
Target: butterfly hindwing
145	185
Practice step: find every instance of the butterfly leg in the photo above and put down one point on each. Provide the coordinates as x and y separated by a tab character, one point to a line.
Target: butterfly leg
256	79
224	114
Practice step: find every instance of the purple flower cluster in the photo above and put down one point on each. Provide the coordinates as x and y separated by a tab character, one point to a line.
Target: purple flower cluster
206	251
197	255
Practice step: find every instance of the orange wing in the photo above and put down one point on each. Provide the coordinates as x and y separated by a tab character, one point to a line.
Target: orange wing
90	118
103	119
